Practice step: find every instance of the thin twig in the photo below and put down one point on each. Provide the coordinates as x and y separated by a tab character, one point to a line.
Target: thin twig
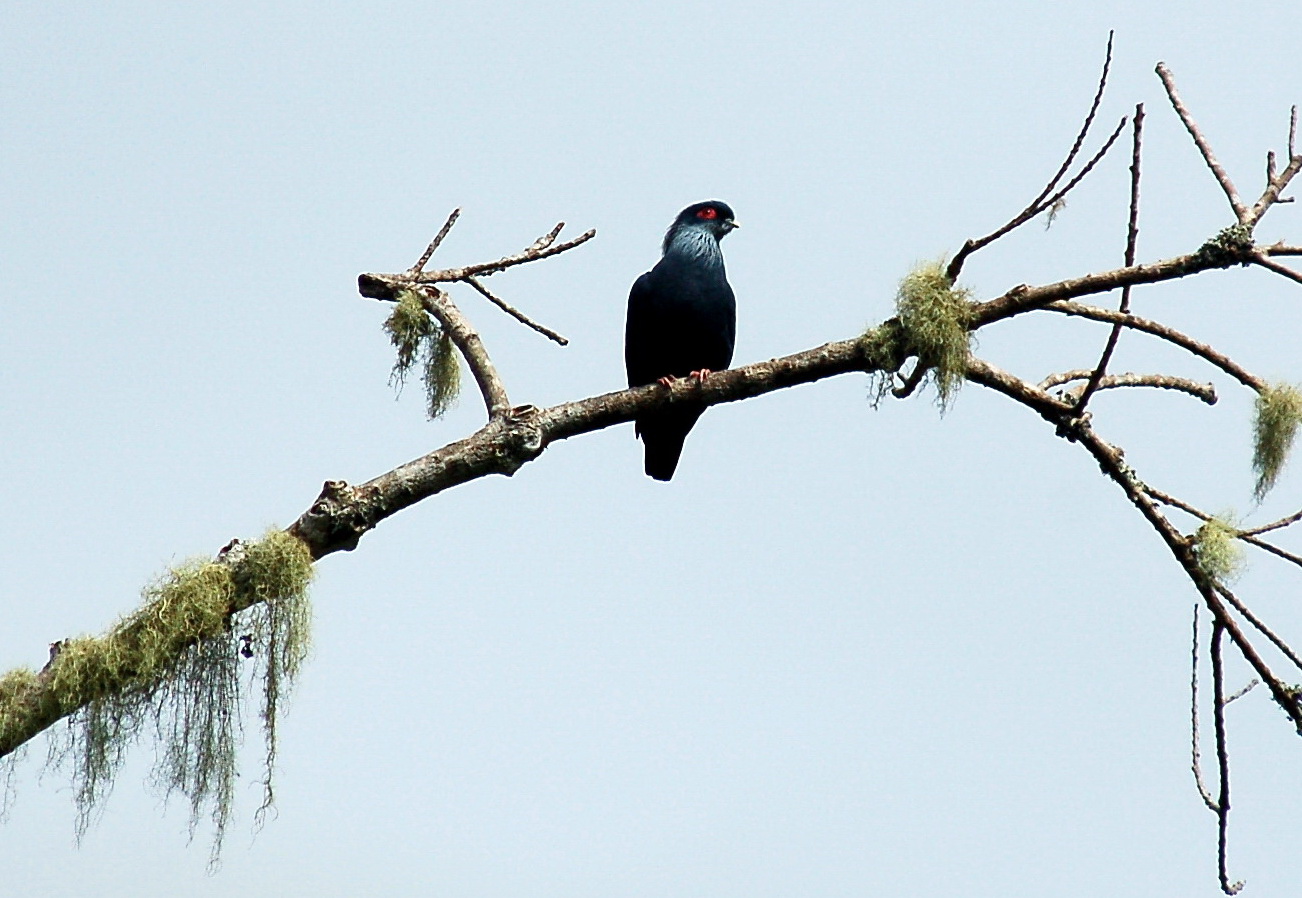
516	313
434	244
1272	549
1247	687
1205	392
1274	187
1265	261
1273	525
1196	737
533	253
1167	499
1222	760
1132	237
1168	81
1260	625
1171	335
1042	201
910	384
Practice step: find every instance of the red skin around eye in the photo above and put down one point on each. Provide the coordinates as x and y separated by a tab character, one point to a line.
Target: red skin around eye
708	213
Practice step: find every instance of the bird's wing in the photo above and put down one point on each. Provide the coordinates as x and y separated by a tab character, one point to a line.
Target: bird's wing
641	331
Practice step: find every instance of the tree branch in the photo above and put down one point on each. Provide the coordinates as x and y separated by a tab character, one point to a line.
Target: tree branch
1168	81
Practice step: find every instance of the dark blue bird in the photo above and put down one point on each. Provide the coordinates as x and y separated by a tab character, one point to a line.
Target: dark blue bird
682	322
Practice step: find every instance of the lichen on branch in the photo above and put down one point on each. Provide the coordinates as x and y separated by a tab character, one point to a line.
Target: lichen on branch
174	663
936	315
1278	413
1217	549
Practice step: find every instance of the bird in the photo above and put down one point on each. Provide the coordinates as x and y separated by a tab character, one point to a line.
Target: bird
682	322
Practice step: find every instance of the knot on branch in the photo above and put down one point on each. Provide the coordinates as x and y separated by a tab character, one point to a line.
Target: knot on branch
524	440
334	522
1232	245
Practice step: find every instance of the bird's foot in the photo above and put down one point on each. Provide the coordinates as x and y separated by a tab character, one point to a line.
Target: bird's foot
701	375
667	381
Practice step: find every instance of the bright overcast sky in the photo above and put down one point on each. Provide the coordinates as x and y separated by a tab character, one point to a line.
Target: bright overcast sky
845	651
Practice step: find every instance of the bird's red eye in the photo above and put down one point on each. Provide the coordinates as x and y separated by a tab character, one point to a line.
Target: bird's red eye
708	213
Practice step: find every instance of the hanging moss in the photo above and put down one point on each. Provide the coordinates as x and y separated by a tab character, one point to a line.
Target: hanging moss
1219	553
281	633
416	335
175	663
409	326
935	314
1279	411
13	685
442	376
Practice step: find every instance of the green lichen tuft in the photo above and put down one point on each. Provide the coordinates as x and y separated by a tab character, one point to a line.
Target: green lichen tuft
416	336
1229	246
1279	412
442	376
175	663
1219	554
14	687
935	314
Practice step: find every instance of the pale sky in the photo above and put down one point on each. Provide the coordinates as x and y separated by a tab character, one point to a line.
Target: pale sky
844	651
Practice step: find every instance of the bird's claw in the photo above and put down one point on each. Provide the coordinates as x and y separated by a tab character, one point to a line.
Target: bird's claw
701	375
666	381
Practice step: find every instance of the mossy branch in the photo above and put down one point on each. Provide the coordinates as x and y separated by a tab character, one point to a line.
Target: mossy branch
174	663
935	315
1217	549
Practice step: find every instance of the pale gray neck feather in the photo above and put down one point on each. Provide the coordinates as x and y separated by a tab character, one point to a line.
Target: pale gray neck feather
696	244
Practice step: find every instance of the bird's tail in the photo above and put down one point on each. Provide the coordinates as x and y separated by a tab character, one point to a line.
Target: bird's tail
662	457
663	435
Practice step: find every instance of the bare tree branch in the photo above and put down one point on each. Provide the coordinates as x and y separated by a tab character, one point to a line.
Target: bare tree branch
467	339
1222	760
1132	237
1171	335
516	313
434	244
1047	198
1195	736
1168	81
1205	392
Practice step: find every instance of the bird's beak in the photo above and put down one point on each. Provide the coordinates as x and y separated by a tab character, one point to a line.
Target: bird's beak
732	224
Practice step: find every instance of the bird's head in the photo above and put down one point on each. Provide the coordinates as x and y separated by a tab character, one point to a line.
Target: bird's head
712	217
